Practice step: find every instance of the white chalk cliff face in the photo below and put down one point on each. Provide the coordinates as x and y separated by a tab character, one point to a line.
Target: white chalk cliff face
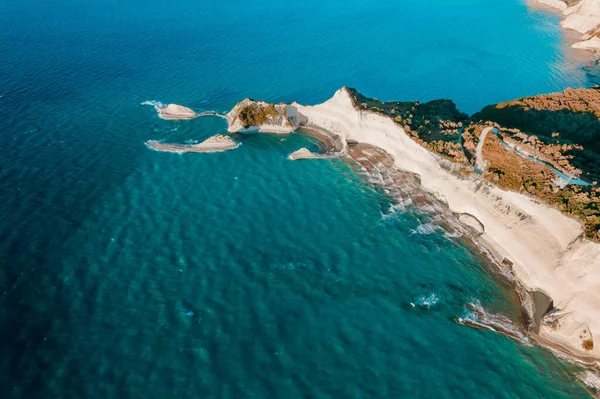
258	116
547	249
583	17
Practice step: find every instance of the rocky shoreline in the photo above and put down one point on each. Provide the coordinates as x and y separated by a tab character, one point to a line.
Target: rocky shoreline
518	234
581	16
425	155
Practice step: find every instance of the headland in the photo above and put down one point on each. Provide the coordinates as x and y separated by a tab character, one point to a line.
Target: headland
532	205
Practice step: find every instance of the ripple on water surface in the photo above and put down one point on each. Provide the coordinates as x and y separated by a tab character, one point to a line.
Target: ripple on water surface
127	272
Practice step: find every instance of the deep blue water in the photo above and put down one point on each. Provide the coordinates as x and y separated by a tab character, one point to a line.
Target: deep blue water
132	273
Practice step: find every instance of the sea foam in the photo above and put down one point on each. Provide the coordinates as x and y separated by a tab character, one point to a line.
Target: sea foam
425	301
476	316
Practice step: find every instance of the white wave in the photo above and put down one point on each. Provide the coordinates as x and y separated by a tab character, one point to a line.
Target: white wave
425	229
456	234
289	266
590	379
156	104
391	214
476	316
425	301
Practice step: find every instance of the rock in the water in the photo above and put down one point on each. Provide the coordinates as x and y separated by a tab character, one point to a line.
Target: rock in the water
217	143
176	112
303	153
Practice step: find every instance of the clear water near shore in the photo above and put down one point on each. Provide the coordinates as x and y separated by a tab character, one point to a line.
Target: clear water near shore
133	273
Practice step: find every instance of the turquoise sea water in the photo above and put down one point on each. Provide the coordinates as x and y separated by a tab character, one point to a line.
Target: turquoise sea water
131	273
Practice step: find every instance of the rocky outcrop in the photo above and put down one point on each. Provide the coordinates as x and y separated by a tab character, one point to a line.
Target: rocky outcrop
217	143
175	112
259	116
582	17
304	153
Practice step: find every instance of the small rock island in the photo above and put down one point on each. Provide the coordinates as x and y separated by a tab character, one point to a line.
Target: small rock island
217	143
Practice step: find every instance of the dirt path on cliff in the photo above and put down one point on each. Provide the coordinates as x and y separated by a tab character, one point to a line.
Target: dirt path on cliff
479	161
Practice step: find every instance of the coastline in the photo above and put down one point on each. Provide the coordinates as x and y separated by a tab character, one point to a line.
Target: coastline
405	188
542	248
581	16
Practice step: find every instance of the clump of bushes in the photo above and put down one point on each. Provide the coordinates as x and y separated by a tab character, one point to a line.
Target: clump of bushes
572	116
512	172
257	114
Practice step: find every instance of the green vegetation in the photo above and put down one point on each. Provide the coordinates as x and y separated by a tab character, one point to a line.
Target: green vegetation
435	124
257	114
563	119
561	129
583	203
512	172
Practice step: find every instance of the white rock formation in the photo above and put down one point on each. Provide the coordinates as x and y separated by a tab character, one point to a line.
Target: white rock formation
582	17
545	247
280	119
175	112
217	143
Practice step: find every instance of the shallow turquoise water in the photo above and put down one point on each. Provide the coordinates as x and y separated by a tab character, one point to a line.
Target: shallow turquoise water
131	273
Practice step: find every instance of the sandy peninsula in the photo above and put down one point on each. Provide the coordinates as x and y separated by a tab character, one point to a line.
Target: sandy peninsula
217	143
555	266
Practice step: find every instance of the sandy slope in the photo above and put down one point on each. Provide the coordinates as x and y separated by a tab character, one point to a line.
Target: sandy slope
545	246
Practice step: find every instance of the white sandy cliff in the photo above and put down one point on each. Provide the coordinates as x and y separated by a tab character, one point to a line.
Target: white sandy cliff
582	17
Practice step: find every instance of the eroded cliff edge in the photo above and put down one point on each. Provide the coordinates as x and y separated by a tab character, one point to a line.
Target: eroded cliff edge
545	249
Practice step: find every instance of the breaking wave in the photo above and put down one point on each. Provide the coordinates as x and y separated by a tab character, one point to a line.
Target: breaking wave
425	301
425	229
156	104
476	316
390	215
